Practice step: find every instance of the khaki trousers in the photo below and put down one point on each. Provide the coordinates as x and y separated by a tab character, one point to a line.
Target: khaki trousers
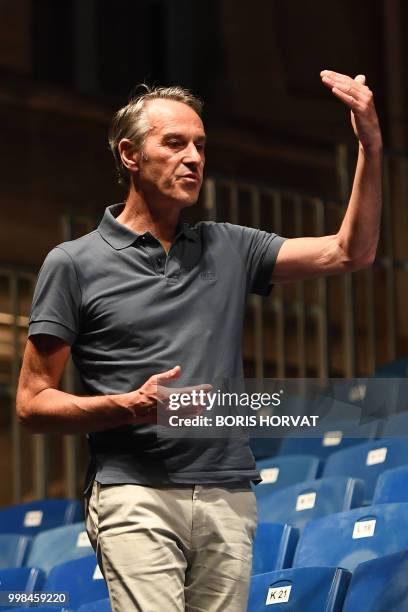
173	549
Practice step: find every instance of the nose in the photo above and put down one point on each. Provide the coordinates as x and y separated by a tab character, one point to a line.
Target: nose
192	154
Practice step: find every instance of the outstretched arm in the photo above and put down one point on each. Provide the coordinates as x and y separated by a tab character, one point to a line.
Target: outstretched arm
354	246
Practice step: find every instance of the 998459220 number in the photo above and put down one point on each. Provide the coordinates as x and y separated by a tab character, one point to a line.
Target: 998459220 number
17	598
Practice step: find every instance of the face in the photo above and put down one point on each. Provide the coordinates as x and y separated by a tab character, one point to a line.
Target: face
172	162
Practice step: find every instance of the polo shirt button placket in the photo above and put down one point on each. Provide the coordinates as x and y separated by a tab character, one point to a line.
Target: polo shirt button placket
160	264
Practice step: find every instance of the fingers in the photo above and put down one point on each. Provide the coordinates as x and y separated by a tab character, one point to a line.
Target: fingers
347	98
152	385
169	375
353	92
360	78
345	83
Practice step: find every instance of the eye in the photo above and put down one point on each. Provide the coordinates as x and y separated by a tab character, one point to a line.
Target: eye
174	143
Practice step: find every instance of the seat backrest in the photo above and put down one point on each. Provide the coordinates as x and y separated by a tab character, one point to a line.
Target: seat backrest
27	579
335	437
274	547
380	580
367	461
395	426
348	538
56	546
36	516
309	589
300	503
386	395
280	472
392	486
13	549
81	578
263	445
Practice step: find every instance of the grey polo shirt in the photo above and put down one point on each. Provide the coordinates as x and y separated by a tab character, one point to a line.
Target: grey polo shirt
129	310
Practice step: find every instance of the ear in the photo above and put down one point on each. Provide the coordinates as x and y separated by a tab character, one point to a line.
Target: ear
130	157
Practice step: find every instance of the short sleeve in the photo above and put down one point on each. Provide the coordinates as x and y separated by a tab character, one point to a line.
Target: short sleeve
56	302
260	250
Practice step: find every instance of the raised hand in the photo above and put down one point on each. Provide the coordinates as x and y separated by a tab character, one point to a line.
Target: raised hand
359	98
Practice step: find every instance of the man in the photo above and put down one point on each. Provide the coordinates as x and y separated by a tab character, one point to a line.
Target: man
171	518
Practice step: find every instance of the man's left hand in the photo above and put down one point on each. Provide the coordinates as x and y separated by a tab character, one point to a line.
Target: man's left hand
359	98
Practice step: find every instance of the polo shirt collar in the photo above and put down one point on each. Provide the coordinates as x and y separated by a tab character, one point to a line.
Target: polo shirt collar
188	231
119	236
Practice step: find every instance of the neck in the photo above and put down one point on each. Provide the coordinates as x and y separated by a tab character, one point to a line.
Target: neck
140	216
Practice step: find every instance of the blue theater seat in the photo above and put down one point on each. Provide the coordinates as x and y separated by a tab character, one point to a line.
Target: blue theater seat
367	461
331	438
13	549
103	605
279	472
81	578
298	504
27	579
274	547
386	395
380	585
262	444
309	589
395	426
56	546
392	486
36	516
348	538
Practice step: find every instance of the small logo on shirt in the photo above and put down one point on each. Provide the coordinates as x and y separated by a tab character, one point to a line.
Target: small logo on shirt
207	275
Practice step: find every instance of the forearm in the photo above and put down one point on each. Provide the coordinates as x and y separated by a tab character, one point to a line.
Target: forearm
54	411
359	231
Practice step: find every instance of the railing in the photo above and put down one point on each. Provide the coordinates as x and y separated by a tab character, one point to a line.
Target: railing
32	456
360	316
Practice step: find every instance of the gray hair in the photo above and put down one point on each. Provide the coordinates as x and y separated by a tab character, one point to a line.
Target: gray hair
130	121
